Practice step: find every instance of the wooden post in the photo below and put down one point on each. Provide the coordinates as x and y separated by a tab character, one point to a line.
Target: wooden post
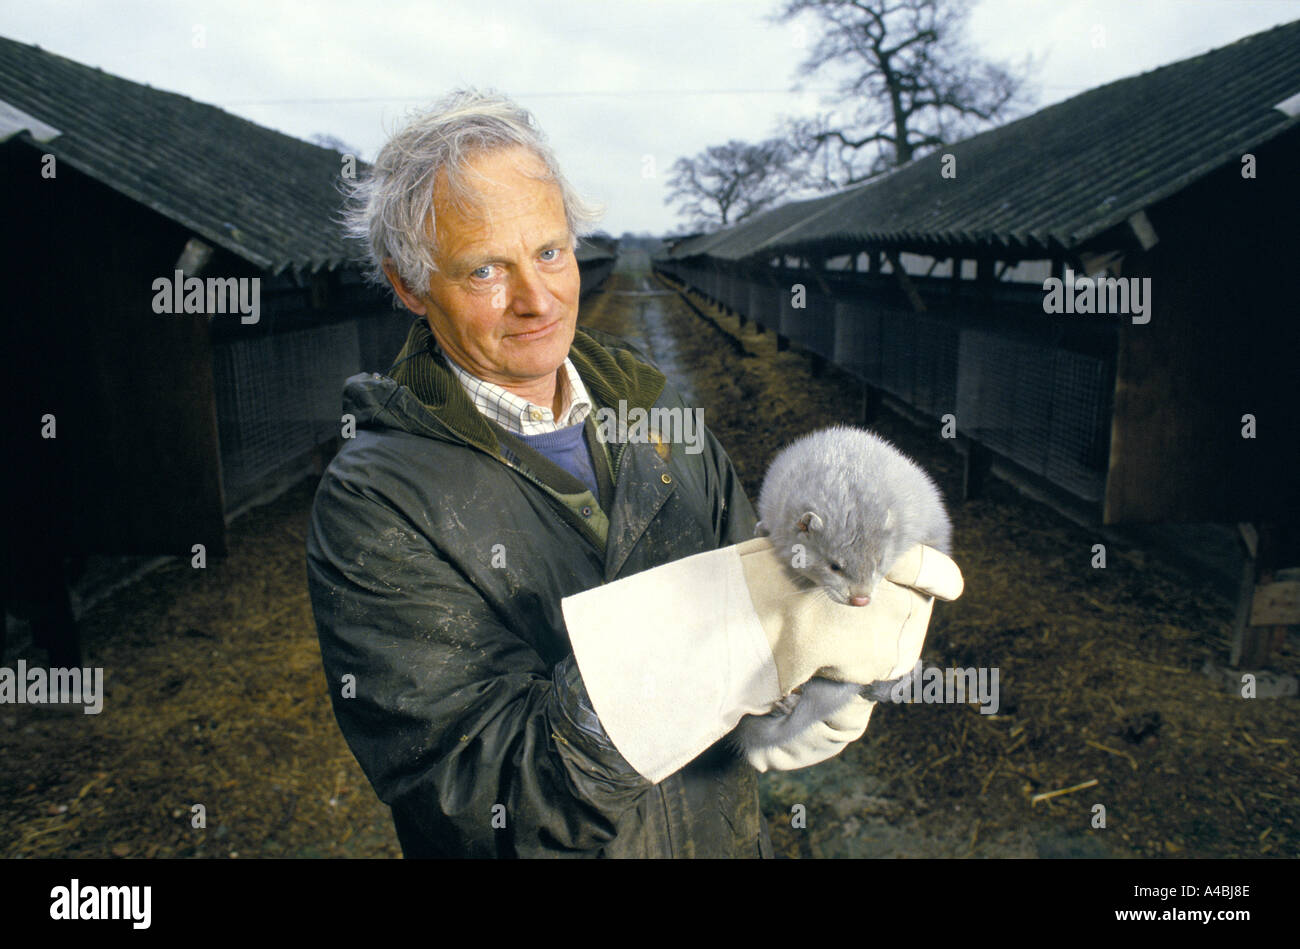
870	403
909	289
1254	646
975	469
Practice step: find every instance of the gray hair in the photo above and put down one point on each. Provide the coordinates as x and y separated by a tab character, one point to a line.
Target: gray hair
391	208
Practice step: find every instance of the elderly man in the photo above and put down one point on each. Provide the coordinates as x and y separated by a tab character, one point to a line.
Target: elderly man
536	635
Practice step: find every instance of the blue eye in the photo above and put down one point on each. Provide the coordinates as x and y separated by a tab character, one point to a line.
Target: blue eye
554	251
483	272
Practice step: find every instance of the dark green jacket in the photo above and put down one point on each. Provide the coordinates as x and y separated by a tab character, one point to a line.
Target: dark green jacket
437	557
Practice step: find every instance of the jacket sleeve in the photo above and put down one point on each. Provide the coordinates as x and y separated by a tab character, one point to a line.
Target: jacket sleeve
734	515
453	717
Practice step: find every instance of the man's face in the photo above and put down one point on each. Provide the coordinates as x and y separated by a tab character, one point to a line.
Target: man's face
504	301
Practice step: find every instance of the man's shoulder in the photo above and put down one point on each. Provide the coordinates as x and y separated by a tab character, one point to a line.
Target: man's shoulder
397	467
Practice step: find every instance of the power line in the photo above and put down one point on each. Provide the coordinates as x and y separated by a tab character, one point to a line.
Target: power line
537	95
583	93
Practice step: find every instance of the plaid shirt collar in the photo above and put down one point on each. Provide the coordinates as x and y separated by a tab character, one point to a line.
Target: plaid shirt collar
518	415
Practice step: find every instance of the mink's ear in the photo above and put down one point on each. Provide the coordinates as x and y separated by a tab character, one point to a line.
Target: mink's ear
760	530
810	522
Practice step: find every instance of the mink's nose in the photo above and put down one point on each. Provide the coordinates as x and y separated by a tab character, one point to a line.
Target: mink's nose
859	600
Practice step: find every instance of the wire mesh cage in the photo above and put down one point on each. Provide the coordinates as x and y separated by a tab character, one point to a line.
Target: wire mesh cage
934	381
897	352
857	339
1045	408
278	398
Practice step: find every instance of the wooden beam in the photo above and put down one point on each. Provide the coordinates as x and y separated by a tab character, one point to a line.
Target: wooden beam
194	257
1249	537
1141	227
870	403
975	470
909	289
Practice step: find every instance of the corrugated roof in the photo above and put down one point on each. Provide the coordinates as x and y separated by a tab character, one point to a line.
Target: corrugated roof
1054	179
262	195
743	239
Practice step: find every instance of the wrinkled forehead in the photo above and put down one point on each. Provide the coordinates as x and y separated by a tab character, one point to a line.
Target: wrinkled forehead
493	188
494	176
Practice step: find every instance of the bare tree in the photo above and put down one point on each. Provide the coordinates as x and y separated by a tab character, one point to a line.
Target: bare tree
911	83
727	183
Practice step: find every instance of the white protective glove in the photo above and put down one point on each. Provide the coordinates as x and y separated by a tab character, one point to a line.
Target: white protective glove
821	740
673	657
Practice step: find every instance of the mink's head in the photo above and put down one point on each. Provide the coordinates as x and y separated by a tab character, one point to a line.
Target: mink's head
847	553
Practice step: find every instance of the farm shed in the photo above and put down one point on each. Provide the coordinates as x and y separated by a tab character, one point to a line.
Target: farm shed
596	256
1142	178
166	424
928	284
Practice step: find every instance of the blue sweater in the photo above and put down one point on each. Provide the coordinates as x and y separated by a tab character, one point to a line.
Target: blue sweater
568	449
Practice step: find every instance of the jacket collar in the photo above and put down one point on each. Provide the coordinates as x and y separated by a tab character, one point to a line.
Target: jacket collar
611	375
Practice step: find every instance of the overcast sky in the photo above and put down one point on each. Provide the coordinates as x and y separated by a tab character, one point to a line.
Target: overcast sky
610	82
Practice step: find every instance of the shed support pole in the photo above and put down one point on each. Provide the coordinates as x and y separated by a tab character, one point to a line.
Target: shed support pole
870	403
909	289
1254	647
975	470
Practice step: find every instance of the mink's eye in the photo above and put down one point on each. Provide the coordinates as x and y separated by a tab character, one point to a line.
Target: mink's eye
836	567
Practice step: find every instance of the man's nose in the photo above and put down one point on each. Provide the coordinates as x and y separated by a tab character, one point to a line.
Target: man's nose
529	295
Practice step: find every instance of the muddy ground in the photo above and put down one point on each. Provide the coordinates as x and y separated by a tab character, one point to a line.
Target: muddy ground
216	695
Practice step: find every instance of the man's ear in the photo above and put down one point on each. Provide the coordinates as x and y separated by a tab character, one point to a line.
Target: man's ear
409	299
